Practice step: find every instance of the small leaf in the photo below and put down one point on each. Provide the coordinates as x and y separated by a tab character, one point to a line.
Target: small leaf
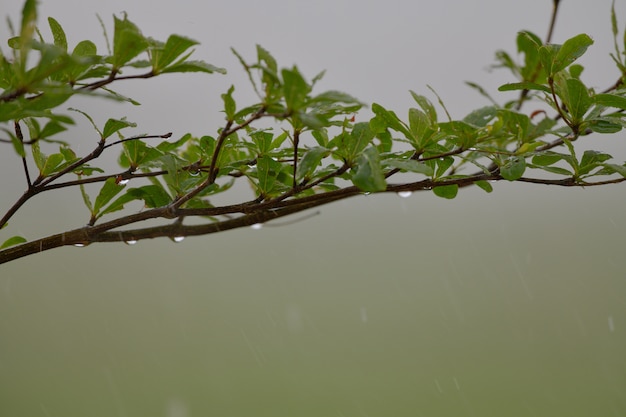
193	66
484	185
154	196
592	160
295	89
40	158
426	105
12	241
513	168
128	42
58	34
526	85
360	136
367	174
86	198
310	161
174	47
546	159
334	97
602	125
570	51
113	125
610	100
229	104
410	165
576	99
446	191
267	171
52	163
387	119
109	190
620	169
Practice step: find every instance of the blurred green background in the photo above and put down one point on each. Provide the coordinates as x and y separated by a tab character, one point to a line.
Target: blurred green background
504	304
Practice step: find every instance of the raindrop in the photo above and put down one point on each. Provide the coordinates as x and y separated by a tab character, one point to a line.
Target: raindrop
130	242
363	314
367	193
178	239
124	182
194	173
257	226
611	324
405	194
81	244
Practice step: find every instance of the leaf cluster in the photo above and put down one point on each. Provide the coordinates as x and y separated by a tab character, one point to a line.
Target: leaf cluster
314	147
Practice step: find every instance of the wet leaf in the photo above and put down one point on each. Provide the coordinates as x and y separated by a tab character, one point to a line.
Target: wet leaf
12	241
446	191
513	168
367	174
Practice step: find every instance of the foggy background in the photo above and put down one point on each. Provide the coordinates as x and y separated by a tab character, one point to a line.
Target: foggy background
510	303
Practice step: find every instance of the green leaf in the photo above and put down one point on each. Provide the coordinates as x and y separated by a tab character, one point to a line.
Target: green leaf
174	47
354	142
442	165
367	173
610	100
334	97
484	185
525	85
426	105
38	156
310	161
481	117
17	145
128	42
419	124
52	163
154	196
547	158
547	55
513	168
12	241
193	66
229	104
387	119
84	48
295	89
591	160
528	43
601	125
620	169
446	191
58	34
86	198
113	125
109	190
27	29
576	99
570	51
267	171
410	165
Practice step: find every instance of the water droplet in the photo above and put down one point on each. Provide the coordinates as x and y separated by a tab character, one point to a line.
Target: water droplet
367	193
194	173
130	242
81	244
405	194
123	182
178	239
257	226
